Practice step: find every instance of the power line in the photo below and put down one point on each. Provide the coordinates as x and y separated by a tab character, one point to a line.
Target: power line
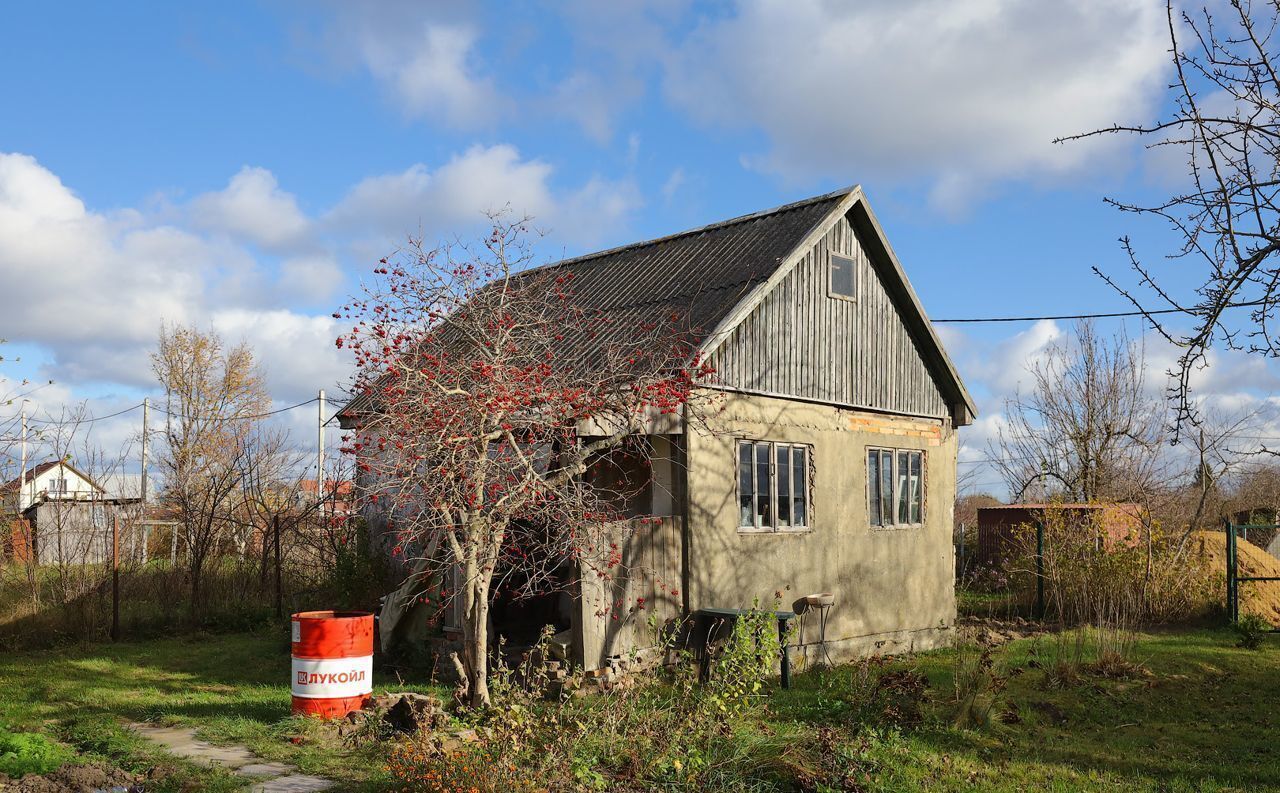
1101	315
84	420
178	415
284	409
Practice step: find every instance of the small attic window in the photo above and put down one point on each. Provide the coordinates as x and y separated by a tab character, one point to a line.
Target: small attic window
843	280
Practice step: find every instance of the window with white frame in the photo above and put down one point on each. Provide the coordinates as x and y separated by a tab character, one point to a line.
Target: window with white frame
844	280
895	487
773	486
57	486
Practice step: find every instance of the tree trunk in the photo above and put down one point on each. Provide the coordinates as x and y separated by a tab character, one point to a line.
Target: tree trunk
475	637
197	563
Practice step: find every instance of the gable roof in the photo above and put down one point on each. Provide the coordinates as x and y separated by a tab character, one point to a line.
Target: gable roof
14	485
716	274
853	204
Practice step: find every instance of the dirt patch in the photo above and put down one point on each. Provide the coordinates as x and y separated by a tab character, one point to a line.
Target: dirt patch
1256	597
993	632
77	779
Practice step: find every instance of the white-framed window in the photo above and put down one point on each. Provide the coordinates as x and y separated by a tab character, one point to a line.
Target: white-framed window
57	486
844	277
773	486
895	487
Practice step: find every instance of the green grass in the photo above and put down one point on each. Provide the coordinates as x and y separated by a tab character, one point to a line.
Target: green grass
971	603
30	753
233	688
1204	720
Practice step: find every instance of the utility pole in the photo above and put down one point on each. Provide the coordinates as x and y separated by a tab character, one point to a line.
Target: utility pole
22	477
146	529
320	457
146	415
168	439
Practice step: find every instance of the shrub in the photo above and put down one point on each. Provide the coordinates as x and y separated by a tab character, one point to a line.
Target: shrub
24	753
1091	576
979	683
1250	630
743	663
881	698
418	764
988	578
661	731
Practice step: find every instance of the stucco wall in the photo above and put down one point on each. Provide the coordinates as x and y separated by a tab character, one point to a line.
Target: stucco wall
893	587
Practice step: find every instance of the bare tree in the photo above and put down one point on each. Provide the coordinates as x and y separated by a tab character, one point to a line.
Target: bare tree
1086	430
1226	120
488	395
215	399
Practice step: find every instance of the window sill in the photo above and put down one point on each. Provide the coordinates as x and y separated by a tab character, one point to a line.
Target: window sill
790	530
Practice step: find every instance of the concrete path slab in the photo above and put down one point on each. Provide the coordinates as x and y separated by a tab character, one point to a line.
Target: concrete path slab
279	777
296	783
266	769
183	742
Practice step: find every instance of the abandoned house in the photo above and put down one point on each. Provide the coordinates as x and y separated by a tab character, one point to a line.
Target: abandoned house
56	514
830	466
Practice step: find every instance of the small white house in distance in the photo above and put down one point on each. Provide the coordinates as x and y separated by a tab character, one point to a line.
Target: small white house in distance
58	515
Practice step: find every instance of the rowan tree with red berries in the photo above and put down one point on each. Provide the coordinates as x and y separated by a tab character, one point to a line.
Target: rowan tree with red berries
489	389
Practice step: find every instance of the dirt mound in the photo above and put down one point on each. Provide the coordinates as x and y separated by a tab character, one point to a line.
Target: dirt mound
90	778
1256	597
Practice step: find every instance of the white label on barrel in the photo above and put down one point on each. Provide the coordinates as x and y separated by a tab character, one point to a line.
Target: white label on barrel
331	678
297	631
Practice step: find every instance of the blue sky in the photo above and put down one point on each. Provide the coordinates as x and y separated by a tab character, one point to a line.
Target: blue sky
240	164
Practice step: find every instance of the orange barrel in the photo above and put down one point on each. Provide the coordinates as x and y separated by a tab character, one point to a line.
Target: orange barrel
332	662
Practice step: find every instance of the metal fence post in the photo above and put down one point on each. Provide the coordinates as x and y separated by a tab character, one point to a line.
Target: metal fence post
275	526
1233	586
115	578
1040	569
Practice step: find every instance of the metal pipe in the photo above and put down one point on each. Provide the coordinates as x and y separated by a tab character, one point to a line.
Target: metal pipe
1040	570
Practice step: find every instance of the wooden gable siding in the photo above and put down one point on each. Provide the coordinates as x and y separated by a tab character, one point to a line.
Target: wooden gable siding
802	342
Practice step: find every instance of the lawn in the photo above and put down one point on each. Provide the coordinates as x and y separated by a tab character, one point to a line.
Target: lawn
231	687
1203	719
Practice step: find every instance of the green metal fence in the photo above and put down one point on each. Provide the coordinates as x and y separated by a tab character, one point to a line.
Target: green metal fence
1234	579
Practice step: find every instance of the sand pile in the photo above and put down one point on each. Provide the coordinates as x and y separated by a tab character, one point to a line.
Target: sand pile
1256	597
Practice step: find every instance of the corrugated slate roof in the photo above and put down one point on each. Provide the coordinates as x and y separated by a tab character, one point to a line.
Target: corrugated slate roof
702	273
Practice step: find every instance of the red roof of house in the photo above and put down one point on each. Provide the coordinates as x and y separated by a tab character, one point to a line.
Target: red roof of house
341	488
1109	505
13	486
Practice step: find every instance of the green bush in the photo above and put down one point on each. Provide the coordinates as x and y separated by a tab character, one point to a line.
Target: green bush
24	753
1250	630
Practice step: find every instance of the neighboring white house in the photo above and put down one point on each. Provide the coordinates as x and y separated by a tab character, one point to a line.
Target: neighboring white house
54	480
66	514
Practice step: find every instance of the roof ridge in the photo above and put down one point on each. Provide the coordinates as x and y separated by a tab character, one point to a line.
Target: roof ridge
844	191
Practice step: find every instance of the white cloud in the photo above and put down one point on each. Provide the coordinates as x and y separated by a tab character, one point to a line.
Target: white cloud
252	207
1005	366
313	279
83	282
296	351
958	95
90	289
674	182
481	179
433	75
424	54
